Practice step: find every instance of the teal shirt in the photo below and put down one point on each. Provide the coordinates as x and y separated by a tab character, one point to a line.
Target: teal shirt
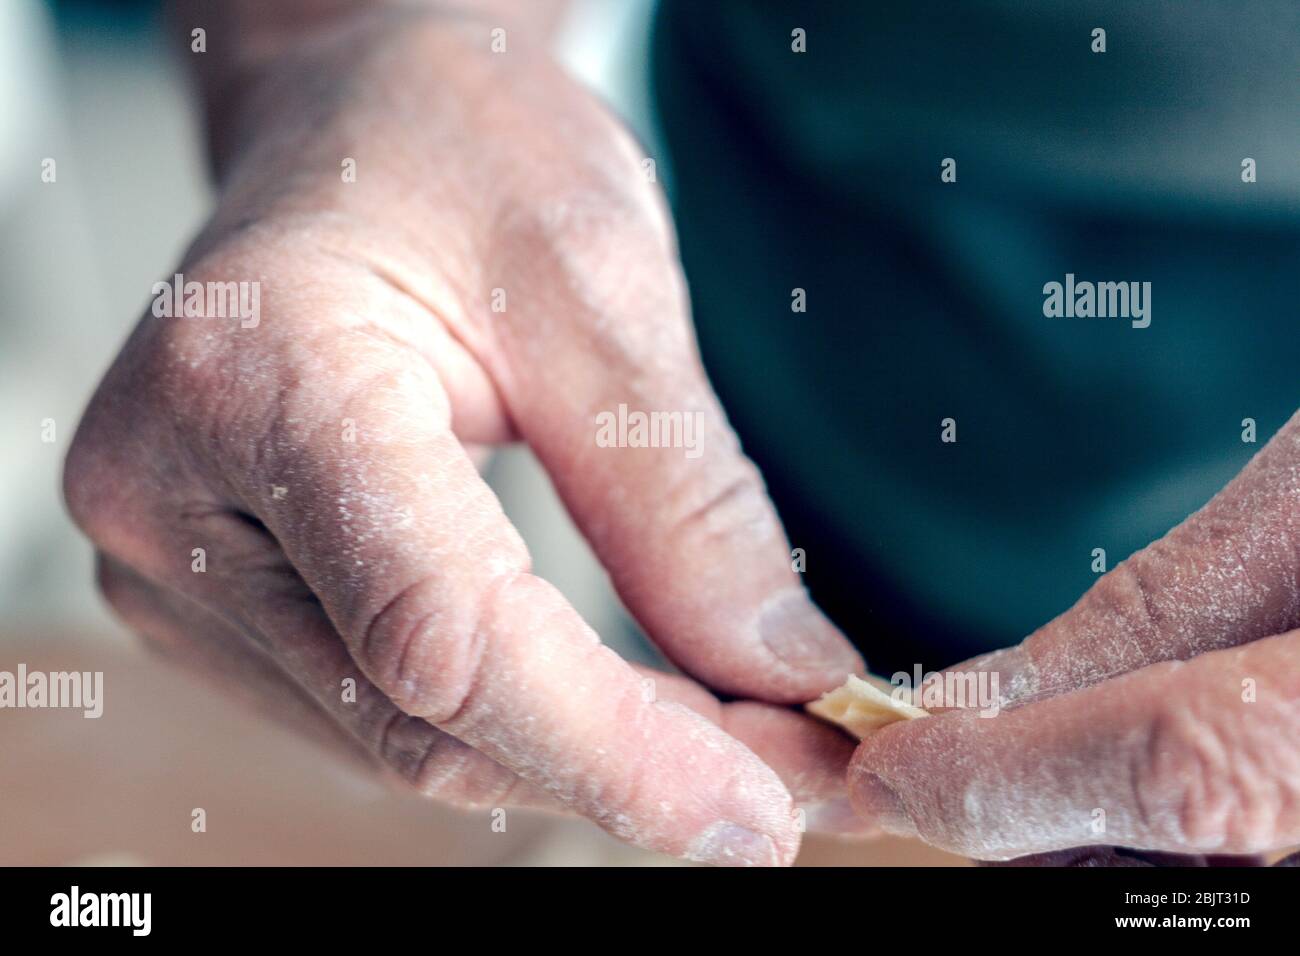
925	299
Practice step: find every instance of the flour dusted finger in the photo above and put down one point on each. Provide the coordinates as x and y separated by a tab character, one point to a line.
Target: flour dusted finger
1199	757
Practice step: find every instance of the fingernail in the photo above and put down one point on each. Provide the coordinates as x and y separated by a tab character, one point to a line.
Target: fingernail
801	636
729	844
876	801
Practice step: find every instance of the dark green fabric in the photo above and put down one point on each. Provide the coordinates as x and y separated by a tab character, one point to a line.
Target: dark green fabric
925	300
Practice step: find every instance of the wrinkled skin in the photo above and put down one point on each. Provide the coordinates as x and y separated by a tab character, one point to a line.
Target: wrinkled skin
386	558
1168	697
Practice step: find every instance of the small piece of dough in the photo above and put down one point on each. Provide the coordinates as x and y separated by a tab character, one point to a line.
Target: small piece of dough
863	706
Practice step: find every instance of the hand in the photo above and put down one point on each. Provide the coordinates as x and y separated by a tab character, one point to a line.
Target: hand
322	457
1165	705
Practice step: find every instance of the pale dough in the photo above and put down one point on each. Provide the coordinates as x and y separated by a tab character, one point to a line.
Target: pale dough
862	706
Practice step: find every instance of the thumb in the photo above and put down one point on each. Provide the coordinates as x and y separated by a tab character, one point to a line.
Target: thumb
605	383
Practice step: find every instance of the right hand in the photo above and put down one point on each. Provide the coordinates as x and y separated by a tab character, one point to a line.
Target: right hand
386	558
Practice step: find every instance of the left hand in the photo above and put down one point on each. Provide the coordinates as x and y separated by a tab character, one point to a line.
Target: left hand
1161	712
320	459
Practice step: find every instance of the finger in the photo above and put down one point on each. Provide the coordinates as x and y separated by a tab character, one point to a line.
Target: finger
245	570
687	532
809	756
1197	757
1227	575
428	584
362	725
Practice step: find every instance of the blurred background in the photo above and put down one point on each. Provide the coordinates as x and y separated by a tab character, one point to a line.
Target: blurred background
94	86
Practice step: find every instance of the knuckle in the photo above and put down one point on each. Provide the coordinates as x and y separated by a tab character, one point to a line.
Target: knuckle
435	764
1194	788
426	651
450	771
143	412
729	502
321	382
225	377
401	741
440	765
406	630
1127	595
1167	758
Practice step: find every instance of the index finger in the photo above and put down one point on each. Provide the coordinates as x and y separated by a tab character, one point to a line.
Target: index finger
1176	757
642	453
429	585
